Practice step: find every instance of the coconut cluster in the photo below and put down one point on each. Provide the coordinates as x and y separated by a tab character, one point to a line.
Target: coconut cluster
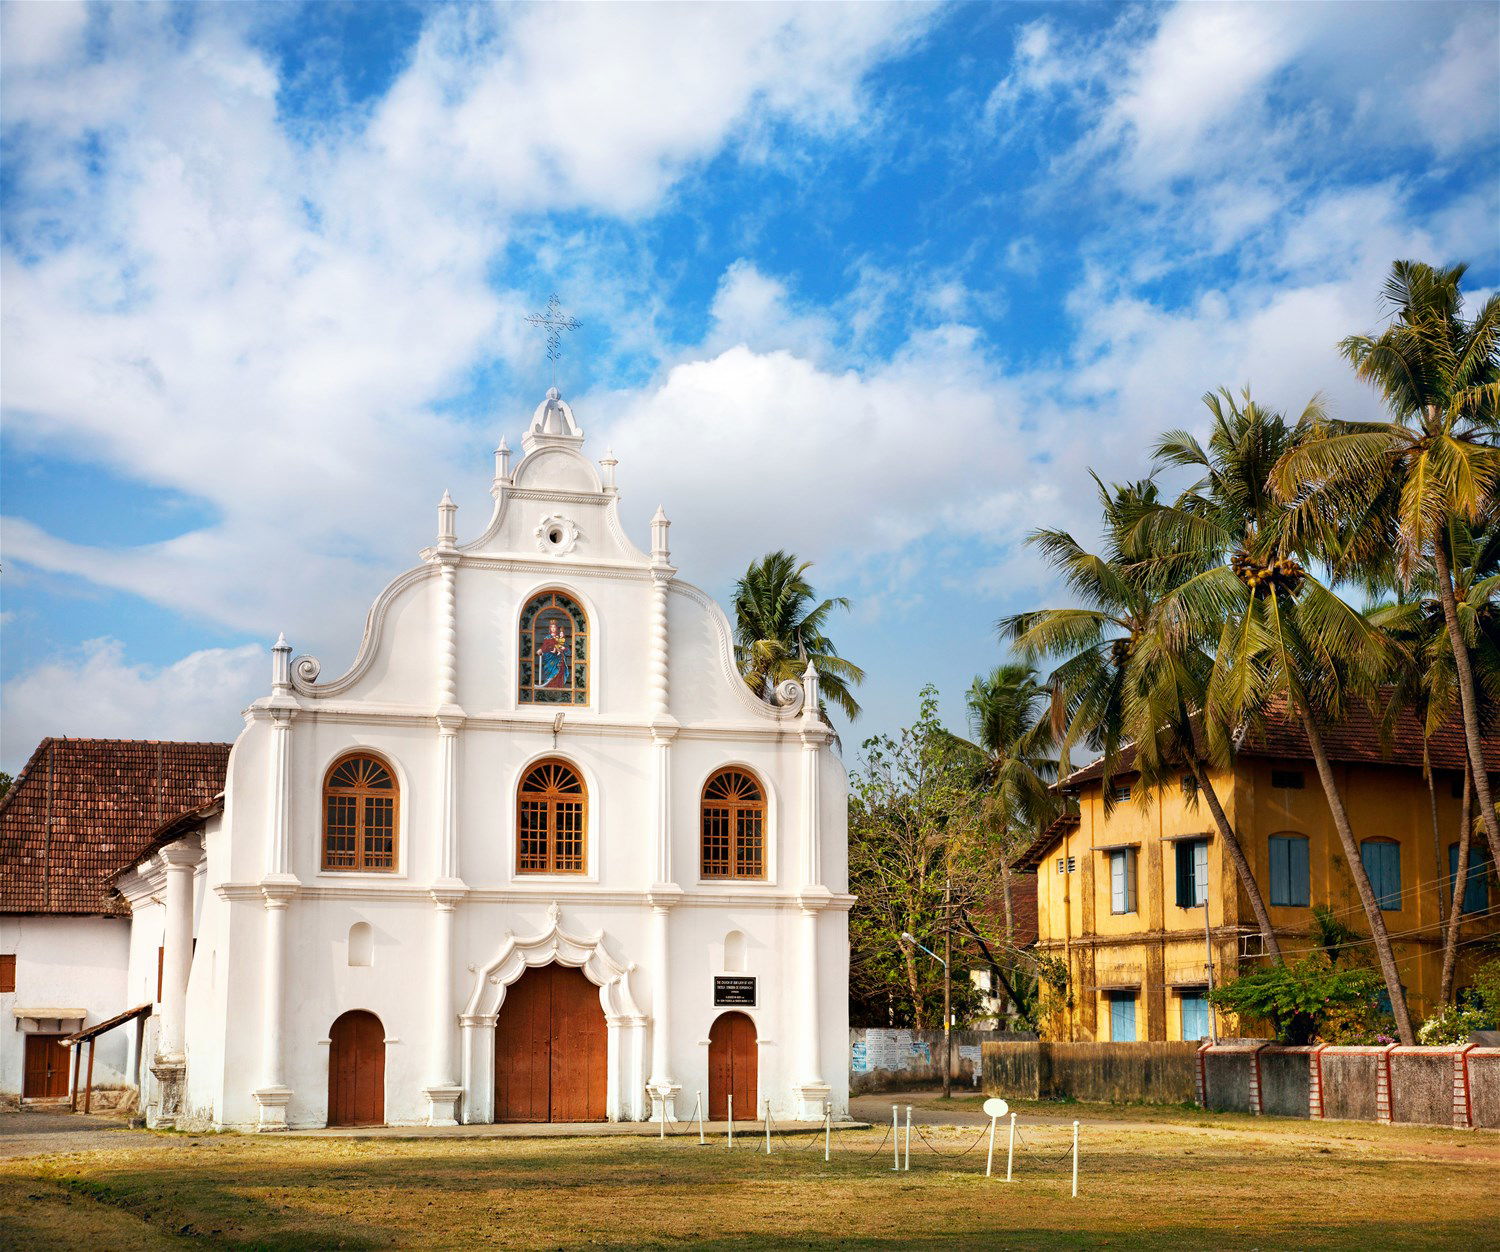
1283	575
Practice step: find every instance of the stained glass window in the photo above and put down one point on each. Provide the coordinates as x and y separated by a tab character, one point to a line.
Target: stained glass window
553	660
734	826
359	816
552	820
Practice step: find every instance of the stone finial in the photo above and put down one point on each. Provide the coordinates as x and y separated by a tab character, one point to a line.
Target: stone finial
502	461
608	466
810	707
281	665
659	526
447	521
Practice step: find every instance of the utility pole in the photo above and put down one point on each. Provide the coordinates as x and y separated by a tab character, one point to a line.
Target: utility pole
1208	943
947	985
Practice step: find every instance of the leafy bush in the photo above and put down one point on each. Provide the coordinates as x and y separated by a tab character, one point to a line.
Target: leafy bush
1297	998
1453	1024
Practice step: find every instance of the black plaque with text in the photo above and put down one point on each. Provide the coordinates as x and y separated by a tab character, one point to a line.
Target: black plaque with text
734	991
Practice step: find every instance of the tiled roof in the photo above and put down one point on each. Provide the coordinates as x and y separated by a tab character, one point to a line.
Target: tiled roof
1357	739
1032	856
81	809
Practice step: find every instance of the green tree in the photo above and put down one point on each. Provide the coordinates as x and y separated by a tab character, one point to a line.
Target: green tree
1122	677
1296	998
5	782
1439	374
1010	750
914	824
780	625
1283	638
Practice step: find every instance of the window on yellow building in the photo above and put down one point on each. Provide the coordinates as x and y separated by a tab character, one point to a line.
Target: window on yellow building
1476	880
1194	1016
1122	1016
1192	873
1122	880
1289	872
1120	792
1382	862
1287	779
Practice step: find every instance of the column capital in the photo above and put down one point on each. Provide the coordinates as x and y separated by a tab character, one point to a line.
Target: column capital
183	854
279	889
814	899
664	895
448	892
450	719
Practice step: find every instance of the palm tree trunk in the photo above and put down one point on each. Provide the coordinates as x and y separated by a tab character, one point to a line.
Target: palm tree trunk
1466	698
1241	865
1455	913
1437	839
1378	932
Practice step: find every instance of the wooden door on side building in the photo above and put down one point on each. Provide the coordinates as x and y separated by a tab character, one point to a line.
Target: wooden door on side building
733	1067
551	1049
356	1071
46	1073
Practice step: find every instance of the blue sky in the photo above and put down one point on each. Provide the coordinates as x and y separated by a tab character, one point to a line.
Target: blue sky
877	284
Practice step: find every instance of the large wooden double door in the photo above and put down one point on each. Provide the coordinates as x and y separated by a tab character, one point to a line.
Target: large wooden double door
733	1067
46	1074
551	1049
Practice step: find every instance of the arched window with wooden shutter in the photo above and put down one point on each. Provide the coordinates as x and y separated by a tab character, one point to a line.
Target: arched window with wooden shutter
359	816
552	820
733	826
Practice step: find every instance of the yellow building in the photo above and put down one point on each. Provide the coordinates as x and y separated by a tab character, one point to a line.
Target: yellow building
1138	902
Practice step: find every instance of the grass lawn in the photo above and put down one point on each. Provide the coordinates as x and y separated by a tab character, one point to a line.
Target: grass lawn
1188	1180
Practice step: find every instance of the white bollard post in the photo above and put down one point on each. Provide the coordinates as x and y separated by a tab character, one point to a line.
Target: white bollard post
896	1138
908	1138
827	1128
768	1128
989	1161
731	1119
699	1111
1075	1160
1010	1155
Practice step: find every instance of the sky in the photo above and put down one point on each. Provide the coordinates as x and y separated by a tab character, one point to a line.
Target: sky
876	284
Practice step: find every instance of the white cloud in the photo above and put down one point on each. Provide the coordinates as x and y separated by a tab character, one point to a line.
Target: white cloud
206	299
99	694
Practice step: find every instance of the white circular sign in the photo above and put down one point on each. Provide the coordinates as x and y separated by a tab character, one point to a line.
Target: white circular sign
996	1107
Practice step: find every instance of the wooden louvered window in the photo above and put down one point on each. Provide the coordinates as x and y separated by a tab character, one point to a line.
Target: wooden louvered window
359	816
552	821
734	826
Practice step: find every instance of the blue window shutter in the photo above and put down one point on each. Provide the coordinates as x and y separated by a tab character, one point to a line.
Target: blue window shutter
1299	874
1280	855
1382	862
1184	874
1194	1016
1289	871
1200	872
1476	881
1122	1019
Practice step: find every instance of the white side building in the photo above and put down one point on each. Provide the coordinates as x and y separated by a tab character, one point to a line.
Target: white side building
539	854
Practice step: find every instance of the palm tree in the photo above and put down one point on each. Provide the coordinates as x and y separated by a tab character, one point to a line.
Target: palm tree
1283	637
1010	751
1439	374
1430	686
1122	680
778	629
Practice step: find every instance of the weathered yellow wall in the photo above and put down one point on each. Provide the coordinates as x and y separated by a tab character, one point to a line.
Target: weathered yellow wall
1161	946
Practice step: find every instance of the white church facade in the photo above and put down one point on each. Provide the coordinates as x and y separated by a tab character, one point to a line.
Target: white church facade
539	854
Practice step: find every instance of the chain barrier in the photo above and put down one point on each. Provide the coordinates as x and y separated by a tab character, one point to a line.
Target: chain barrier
922	1135
1049	1159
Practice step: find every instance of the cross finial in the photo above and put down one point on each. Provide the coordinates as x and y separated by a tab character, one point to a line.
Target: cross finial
556	321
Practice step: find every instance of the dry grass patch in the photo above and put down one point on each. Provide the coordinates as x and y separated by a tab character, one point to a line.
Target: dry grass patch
1273	1185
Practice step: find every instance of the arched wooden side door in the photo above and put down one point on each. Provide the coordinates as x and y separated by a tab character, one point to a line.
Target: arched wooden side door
551	1049
733	1066
356	1071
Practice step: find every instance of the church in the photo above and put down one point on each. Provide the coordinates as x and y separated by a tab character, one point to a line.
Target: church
539	854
